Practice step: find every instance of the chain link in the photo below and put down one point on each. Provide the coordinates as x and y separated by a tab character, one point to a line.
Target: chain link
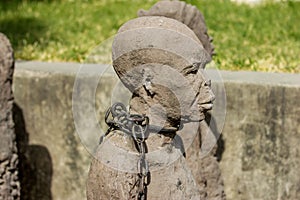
143	167
136	126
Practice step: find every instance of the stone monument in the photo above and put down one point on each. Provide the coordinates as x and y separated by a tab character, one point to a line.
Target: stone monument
153	150
9	180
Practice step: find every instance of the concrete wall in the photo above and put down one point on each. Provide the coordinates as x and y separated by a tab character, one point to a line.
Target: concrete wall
261	136
260	151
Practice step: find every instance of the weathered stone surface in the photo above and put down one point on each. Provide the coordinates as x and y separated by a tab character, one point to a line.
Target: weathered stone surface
177	88
9	178
206	169
155	40
166	53
173	180
186	58
251	98
185	13
54	163
262	135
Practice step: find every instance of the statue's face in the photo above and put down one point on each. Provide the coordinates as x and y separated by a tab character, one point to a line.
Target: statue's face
184	94
201	84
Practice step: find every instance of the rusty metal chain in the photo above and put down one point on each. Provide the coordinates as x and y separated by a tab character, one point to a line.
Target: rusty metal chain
136	126
121	120
143	167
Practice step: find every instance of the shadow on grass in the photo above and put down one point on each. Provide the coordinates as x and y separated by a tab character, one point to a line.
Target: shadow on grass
22	30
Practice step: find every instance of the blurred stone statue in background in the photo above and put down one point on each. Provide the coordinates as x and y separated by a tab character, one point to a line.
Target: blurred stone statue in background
9	177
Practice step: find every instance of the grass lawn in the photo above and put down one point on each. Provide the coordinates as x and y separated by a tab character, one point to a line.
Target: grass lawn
259	38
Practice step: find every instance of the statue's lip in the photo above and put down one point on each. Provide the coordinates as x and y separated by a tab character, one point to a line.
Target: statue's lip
207	106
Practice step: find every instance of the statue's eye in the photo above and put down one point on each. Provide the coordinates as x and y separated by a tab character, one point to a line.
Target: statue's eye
194	71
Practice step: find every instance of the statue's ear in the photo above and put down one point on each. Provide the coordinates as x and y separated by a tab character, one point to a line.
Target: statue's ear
147	80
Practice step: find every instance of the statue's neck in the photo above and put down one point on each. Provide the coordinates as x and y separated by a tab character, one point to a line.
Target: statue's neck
158	115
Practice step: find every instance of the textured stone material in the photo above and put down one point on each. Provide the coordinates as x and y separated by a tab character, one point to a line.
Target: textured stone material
256	103
189	15
210	181
185	13
54	163
161	61
261	157
9	178
151	51
157	39
172	181
206	169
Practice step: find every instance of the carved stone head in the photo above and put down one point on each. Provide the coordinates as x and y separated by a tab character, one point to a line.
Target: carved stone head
161	61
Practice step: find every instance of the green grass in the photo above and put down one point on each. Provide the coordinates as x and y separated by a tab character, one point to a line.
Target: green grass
259	38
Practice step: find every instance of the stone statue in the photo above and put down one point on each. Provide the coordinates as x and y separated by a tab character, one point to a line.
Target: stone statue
161	61
193	18
9	178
